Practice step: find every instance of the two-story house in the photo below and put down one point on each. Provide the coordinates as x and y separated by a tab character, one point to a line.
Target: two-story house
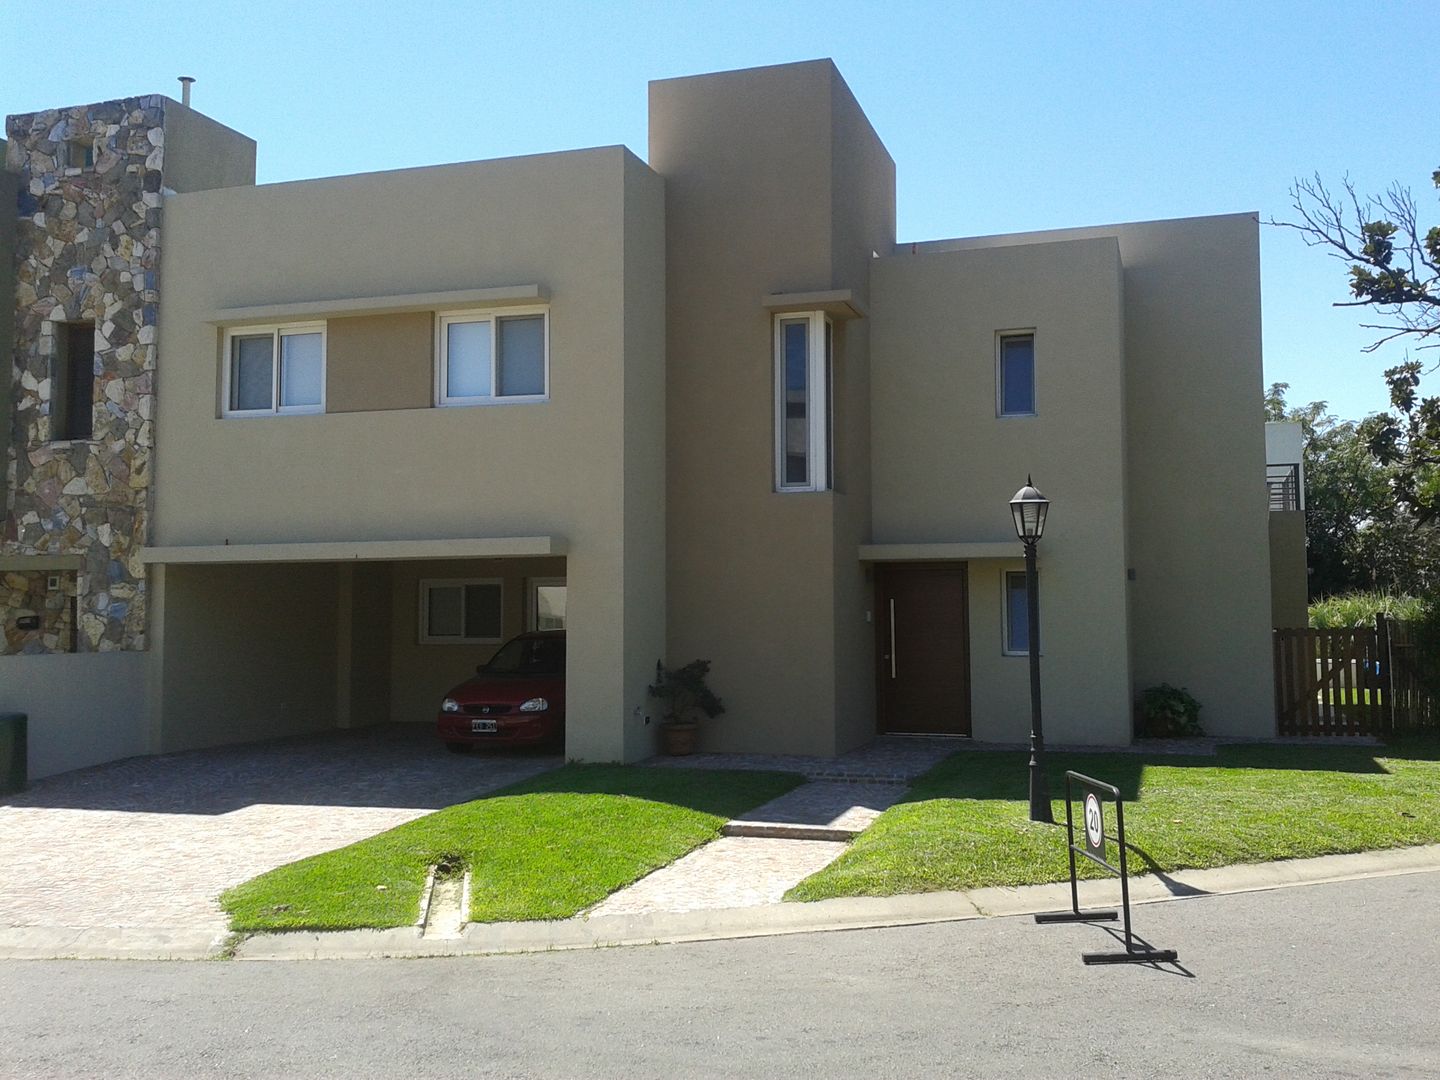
294	456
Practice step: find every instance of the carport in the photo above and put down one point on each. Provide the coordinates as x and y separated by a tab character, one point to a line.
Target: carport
256	641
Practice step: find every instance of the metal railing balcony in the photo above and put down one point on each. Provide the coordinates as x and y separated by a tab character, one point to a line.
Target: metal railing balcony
1283	482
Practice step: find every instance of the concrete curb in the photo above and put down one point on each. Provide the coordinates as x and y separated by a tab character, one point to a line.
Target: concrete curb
849	913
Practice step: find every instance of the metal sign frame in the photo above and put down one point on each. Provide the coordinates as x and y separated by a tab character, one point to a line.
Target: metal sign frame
1095	791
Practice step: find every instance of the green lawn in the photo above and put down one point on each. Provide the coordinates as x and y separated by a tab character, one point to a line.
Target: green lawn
545	848
965	823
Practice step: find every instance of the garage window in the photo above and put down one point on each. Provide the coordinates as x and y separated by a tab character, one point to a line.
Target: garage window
461	612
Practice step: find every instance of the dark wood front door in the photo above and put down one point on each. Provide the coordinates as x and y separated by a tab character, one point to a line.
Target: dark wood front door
923	649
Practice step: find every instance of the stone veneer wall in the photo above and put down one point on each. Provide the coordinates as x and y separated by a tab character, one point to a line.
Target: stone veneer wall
87	248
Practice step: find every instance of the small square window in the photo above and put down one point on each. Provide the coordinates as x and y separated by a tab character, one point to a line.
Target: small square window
466	612
79	154
1017	375
1017	614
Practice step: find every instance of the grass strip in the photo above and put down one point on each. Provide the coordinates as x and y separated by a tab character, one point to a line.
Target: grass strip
544	848
965	823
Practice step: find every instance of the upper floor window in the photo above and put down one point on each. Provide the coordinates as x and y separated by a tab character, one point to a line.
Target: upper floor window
1015	374
490	358
803	421
275	369
72	383
79	154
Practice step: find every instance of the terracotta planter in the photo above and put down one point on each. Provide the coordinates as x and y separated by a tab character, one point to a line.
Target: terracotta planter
677	740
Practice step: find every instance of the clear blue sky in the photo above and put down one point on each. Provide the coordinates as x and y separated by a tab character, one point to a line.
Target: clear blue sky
1000	117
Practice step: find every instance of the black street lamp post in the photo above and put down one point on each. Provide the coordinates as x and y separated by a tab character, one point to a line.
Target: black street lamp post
1028	508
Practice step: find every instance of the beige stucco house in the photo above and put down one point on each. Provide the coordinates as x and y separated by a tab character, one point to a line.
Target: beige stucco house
295	456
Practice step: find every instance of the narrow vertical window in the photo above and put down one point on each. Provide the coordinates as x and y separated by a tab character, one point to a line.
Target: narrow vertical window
1017	374
802	403
72	387
1017	614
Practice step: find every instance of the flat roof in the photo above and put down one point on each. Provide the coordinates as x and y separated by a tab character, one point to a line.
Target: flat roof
490	547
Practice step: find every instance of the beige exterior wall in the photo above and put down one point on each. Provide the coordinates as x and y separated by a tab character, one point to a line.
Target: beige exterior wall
201	153
84	708
239	653
1195	452
584	225
1289	572
945	465
755	581
375	362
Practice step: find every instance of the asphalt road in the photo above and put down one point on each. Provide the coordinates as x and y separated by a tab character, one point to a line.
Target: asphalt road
1339	980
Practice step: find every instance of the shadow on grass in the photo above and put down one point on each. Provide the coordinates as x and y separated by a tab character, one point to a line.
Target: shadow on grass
724	792
1005	775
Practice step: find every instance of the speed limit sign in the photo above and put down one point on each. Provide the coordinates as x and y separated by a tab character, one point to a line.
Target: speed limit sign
1094	825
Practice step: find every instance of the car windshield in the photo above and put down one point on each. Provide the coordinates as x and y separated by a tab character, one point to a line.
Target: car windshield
528	656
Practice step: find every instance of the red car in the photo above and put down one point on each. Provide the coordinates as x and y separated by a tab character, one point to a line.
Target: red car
517	699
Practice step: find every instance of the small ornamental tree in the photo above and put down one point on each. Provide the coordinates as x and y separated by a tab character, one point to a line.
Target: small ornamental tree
683	691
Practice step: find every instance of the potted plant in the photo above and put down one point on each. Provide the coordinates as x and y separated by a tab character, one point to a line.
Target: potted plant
683	693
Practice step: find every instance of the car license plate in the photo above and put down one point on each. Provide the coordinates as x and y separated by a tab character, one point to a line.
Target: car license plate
478	727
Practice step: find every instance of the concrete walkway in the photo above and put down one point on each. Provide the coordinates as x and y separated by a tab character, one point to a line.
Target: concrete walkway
763	853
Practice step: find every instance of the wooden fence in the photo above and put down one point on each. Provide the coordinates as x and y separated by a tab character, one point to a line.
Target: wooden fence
1355	681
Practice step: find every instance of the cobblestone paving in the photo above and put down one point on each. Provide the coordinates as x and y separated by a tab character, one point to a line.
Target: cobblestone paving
837	805
152	841
734	871
889	759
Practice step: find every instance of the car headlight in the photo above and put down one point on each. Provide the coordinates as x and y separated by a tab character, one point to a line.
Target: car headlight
449	705
535	704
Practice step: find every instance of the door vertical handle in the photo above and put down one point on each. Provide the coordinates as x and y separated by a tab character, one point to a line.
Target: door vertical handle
892	637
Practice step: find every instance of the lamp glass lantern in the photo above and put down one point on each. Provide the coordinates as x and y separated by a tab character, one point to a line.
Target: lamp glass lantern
1028	508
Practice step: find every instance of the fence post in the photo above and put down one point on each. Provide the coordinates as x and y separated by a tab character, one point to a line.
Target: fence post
1385	682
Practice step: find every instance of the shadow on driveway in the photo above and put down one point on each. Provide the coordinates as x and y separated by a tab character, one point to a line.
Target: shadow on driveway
392	765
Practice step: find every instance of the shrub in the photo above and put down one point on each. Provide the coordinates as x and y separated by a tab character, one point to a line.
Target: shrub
1169	711
681	691
1360	609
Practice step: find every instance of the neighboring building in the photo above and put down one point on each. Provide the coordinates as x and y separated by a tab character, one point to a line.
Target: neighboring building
1289	568
348	434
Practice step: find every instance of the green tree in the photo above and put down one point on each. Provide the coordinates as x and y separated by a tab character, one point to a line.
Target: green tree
1358	535
1394	271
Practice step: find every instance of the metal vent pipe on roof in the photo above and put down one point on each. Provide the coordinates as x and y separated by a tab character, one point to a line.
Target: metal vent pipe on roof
185	81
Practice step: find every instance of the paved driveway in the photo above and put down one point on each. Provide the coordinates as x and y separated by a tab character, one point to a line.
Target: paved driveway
150	842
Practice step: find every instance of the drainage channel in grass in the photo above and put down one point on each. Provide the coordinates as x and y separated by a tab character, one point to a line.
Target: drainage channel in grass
448	899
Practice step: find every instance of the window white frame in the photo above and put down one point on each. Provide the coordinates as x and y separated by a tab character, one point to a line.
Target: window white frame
532	601
276	332
426	584
1005	649
1000	338
820	337
492	316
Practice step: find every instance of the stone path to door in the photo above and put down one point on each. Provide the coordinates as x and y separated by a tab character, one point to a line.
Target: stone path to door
151	842
774	847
